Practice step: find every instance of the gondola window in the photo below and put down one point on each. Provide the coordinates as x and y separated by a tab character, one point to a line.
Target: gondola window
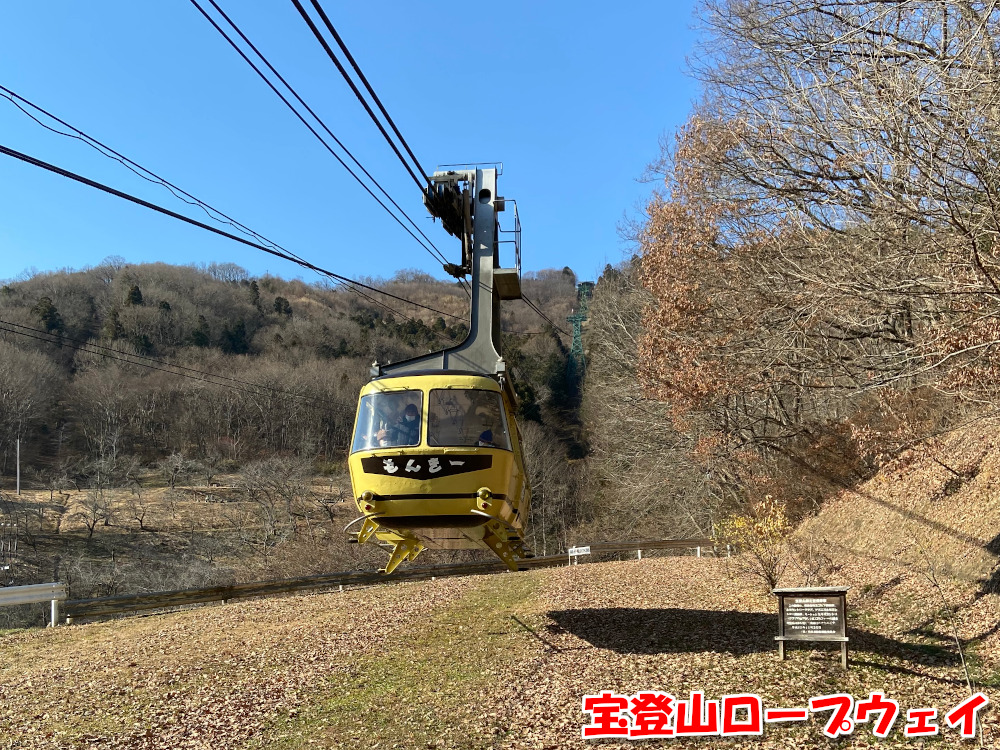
383	420
466	417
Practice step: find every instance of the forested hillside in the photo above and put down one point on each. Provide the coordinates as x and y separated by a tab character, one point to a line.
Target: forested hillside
815	287
248	368
181	426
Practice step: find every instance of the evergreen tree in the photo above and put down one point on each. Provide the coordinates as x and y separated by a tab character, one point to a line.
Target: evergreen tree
282	306
202	335
134	296
48	315
234	340
112	328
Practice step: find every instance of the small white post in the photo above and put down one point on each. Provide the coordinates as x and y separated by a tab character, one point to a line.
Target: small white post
638	554
342	587
699	551
728	551
55	613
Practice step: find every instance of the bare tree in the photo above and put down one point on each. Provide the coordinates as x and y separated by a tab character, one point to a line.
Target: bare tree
647	479
25	380
176	467
95	510
274	493
822	257
138	507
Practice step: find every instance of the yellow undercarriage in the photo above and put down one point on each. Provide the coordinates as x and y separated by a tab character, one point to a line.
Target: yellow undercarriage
502	540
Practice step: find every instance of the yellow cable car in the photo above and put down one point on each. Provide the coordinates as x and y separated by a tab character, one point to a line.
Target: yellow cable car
451	478
436	461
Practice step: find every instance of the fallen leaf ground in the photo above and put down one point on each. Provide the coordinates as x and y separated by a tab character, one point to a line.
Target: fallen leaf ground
496	661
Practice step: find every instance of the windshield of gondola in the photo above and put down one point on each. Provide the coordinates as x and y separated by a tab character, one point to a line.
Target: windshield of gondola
388	420
466	417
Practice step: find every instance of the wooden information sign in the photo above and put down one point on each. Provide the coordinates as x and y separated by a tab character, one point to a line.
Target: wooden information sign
813	614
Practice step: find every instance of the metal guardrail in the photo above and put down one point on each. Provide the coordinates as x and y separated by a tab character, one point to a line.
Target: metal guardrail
651	544
115	605
39	592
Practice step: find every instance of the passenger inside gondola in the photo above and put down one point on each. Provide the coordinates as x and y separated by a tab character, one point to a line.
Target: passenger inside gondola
405	431
466	417
388	420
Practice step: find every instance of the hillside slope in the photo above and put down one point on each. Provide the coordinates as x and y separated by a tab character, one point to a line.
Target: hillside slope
938	503
493	661
920	541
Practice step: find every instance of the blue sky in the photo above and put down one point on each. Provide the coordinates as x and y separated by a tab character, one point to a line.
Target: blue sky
572	97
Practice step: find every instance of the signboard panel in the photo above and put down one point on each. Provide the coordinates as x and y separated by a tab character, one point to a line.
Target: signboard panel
574	551
424	466
813	617
812	614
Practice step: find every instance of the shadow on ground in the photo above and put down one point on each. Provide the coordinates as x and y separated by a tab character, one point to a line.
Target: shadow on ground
663	631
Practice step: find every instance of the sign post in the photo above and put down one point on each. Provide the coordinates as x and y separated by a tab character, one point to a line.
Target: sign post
575	552
813	614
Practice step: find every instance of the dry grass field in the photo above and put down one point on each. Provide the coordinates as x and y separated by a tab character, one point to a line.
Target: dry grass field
496	661
503	661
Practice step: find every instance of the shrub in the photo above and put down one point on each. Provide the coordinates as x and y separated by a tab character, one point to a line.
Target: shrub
761	536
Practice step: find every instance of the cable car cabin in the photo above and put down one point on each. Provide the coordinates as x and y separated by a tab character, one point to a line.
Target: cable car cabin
436	463
436	460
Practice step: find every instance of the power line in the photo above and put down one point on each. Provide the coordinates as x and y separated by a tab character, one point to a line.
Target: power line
114	353
545	317
141	171
439	256
364	80
107	352
134	167
215	230
100	350
421	183
150	176
430	247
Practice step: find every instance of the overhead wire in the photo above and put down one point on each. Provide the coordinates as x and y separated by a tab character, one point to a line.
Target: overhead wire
364	79
215	230
137	169
113	354
421	182
186	197
351	284
433	249
274	249
533	306
430	247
